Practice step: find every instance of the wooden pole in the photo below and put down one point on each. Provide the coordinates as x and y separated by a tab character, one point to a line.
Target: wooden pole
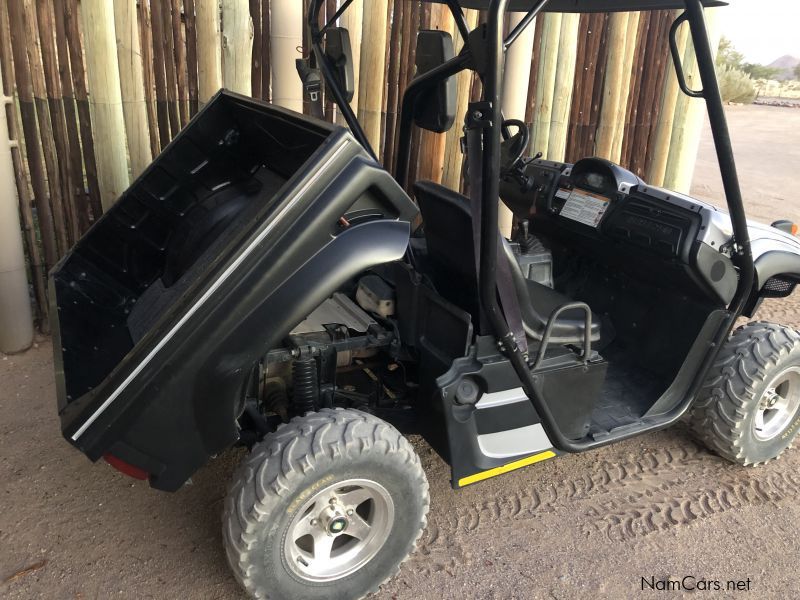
102	69
134	104
38	274
660	148
16	321
331	108
393	82
286	35
373	61
33	149
641	56
689	114
533	75
46	135
166	120
587	138
652	82
191	55
209	53
352	21
255	69
403	67
515	92
631	50
168	42
650	120
546	82
82	204
564	86
579	90
179	44
612	108
387	65
518	70
453	158
266	62
148	75
78	70
55	103
237	46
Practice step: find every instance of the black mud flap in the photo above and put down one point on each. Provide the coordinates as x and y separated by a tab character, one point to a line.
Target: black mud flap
243	225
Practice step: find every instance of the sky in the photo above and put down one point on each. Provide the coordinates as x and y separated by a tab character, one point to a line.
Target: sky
763	30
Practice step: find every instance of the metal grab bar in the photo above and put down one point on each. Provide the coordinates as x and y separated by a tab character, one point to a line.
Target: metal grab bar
548	330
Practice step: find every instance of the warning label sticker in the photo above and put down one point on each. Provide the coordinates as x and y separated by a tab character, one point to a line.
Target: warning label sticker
563	193
585	207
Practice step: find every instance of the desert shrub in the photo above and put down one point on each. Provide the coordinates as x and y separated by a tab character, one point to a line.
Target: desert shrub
736	86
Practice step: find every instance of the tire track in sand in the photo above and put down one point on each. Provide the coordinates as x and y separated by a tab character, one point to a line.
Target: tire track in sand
638	495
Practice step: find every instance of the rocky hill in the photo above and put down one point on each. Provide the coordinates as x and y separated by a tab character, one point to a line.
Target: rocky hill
786	64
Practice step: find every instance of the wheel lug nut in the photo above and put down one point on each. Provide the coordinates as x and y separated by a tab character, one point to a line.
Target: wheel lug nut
350	512
332	501
313	521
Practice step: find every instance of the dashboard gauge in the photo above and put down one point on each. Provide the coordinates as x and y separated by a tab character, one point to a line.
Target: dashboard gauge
592	180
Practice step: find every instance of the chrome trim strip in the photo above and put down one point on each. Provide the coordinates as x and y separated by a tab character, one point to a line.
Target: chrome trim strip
502	398
514	442
214	287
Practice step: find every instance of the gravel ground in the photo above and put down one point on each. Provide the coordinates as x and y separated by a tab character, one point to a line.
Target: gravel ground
590	525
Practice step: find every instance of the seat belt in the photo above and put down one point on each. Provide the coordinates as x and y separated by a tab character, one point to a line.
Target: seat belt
312	86
472	145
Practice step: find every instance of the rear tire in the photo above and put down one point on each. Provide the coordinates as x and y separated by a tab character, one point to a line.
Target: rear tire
328	506
748	411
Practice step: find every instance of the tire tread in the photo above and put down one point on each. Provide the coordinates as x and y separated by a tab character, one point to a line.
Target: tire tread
718	415
279	464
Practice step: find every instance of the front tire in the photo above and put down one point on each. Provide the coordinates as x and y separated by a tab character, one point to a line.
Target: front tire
328	506
748	411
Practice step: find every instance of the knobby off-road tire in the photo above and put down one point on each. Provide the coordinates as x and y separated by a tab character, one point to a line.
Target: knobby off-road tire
759	365
300	465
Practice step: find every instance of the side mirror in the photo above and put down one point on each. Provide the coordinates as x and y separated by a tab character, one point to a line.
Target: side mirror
435	109
338	51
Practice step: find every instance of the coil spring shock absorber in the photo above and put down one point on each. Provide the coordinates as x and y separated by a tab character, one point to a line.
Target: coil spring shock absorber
305	393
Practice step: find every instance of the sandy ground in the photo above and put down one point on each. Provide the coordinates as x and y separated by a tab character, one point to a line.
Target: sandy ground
589	525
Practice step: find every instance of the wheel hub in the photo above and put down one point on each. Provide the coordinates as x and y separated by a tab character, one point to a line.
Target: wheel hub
778	405
338	530
333	520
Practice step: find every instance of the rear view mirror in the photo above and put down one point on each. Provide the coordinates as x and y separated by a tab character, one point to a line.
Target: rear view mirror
338	51
435	109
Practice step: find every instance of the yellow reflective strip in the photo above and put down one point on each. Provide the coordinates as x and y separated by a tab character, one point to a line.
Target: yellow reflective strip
517	464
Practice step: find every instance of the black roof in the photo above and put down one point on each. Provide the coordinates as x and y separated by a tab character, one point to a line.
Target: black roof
587	5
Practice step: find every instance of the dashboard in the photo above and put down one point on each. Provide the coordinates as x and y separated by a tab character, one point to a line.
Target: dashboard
602	210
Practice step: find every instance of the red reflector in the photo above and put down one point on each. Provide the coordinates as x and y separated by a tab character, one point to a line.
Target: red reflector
128	469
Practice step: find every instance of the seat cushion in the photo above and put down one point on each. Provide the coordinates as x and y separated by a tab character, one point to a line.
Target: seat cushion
570	325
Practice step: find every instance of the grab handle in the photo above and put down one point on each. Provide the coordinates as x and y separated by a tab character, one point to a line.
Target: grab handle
587	334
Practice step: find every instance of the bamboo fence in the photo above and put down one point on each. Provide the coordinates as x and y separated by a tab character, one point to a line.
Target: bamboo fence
102	86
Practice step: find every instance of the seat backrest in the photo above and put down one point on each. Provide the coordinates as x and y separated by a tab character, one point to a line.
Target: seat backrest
448	232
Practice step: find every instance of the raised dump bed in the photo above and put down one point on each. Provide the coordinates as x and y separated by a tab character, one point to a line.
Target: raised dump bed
165	304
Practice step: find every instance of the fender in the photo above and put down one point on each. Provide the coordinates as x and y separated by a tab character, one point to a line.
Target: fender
776	262
175	425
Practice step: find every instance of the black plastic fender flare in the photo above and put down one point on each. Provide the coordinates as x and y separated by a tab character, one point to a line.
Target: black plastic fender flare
207	388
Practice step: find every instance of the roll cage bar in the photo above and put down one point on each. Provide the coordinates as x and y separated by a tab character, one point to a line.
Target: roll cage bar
484	52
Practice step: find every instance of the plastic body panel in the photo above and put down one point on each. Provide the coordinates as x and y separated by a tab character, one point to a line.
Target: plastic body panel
703	247
172	400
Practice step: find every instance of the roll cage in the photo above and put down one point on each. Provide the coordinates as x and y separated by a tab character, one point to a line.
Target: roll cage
484	52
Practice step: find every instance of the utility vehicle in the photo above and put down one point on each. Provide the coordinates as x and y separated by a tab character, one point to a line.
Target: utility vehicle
262	284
